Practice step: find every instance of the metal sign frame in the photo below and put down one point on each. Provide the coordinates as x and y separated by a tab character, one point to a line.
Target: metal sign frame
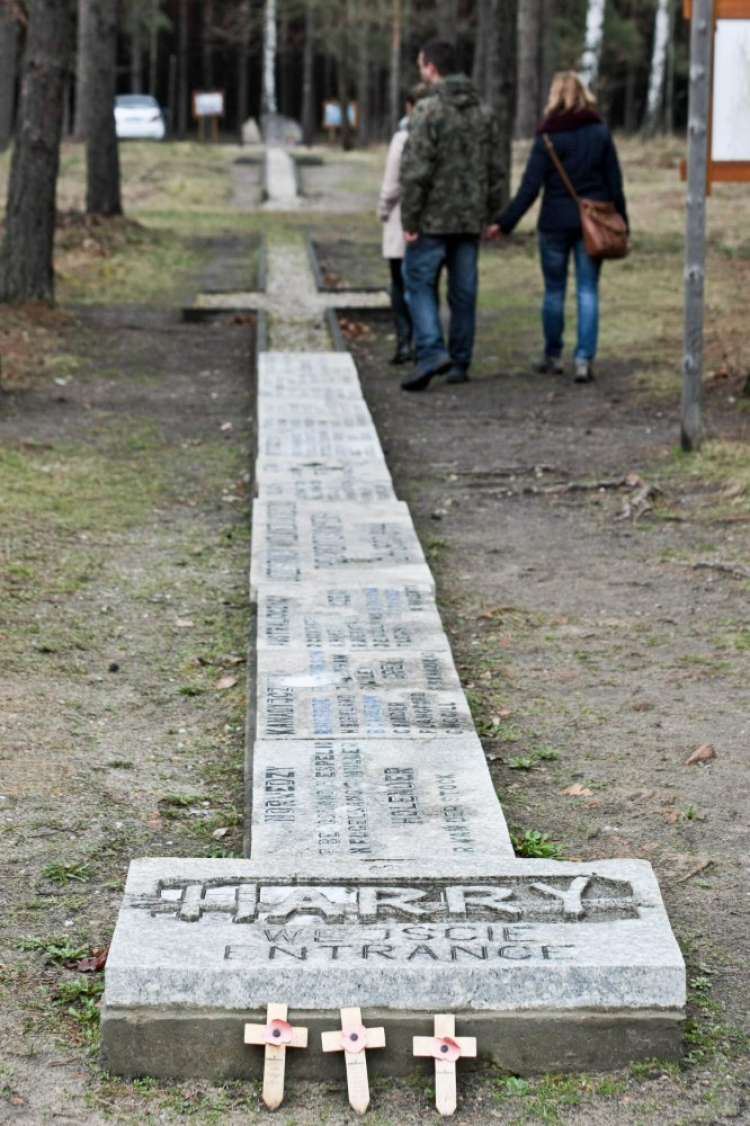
717	171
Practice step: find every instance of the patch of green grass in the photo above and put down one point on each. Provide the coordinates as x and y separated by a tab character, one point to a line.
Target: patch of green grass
546	1099
529	761
434	546
56	949
65	871
532	844
80	1000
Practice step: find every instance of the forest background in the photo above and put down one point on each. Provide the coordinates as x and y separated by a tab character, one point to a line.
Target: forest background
634	51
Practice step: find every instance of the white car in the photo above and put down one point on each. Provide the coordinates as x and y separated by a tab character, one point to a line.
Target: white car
139	116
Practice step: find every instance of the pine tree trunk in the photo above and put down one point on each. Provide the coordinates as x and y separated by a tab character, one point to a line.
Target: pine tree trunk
363	86
446	19
494	70
207	75
102	156
182	71
529	51
136	47
83	70
394	77
307	110
26	257
8	73
153	49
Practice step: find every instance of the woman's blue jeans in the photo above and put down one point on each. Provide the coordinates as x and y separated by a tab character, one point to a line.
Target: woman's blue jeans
423	262
554	249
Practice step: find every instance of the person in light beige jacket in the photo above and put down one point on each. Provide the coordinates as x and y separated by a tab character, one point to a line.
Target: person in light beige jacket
389	213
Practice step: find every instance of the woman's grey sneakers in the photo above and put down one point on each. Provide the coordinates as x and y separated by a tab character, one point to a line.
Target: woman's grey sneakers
549	365
584	371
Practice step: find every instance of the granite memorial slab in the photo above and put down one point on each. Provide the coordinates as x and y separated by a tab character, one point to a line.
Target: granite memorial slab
369	798
323	480
280	414
549	964
323	693
301	541
373	616
307	375
321	438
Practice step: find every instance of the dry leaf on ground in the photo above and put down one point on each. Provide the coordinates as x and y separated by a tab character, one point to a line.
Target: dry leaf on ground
702	754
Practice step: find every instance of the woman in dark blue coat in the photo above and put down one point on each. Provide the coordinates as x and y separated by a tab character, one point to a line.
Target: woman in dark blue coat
586	150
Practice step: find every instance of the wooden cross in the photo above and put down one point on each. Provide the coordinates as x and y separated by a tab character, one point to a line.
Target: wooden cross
445	1048
352	1041
277	1035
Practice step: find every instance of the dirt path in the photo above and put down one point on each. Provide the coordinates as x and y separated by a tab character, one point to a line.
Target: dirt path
597	654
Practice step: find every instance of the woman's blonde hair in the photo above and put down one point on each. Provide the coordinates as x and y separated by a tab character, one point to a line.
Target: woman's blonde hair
568	93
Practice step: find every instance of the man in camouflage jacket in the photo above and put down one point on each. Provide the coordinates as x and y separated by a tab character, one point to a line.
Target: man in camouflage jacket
451	183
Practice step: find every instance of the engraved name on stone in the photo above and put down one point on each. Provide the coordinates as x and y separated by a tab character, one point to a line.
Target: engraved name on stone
321	438
586	899
292	537
348	799
325	693
367	618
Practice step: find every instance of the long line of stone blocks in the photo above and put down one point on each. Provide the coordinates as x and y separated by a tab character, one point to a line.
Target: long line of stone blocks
381	873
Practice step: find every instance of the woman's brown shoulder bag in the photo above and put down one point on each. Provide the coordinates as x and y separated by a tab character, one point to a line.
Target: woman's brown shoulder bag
605	234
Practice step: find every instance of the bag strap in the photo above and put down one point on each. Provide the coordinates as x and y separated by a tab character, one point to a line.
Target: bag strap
558	165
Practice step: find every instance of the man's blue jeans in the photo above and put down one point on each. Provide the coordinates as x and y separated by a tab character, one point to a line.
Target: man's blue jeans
555	248
423	262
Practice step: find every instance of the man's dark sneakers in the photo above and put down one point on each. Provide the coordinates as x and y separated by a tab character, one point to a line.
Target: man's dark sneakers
423	373
457	374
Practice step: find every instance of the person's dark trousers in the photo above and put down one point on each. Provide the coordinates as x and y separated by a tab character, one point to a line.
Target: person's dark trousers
401	314
422	265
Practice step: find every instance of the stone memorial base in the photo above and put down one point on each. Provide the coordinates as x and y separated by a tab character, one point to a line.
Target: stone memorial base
550	965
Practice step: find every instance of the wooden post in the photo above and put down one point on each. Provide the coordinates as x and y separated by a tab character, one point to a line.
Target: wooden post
277	1035
445	1048
352	1041
701	23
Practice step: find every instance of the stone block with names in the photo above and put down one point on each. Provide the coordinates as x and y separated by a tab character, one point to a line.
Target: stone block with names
281	414
550	965
307	375
321	438
323	480
373	616
301	541
321	693
337	799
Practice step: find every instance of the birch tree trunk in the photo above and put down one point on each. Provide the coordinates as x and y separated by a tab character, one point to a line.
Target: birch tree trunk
656	83
269	102
102	156
592	50
8	73
26	256
529	54
243	66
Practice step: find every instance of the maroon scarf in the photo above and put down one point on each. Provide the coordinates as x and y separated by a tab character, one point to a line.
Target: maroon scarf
572	119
